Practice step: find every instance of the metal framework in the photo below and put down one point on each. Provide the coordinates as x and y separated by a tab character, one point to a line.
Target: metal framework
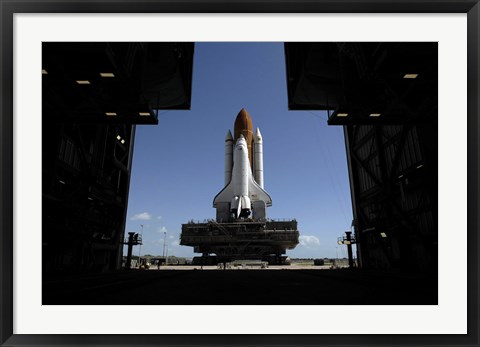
85	192
393	178
384	94
93	95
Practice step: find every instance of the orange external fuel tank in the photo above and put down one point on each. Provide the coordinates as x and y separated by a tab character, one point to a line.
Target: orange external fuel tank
243	125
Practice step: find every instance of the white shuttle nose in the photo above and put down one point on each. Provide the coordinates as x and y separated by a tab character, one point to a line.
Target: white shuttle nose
241	144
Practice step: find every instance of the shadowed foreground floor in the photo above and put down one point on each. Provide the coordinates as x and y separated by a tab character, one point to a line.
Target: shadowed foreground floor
246	287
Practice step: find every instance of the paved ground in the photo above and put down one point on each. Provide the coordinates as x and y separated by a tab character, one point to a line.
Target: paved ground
214	267
294	285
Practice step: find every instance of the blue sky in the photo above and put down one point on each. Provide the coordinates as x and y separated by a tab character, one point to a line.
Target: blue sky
178	164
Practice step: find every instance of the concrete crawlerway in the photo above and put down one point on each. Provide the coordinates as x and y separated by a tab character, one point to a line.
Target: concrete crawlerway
273	286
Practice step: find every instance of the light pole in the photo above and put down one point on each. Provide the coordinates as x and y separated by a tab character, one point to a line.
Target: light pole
164	239
166	256
336	252
140	249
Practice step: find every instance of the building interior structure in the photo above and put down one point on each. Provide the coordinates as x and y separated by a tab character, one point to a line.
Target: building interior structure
94	95
385	96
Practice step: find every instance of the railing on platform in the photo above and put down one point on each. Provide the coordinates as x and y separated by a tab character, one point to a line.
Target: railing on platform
247	220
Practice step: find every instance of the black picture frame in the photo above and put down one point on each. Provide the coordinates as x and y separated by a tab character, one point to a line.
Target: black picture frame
9	7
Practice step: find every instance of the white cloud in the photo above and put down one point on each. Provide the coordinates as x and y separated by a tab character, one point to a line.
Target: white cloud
309	241
162	230
175	243
159	217
142	216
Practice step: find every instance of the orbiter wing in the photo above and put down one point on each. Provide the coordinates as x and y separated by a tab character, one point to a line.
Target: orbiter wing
225	195
255	192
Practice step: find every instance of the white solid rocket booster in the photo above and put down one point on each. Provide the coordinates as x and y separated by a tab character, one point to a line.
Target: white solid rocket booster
258	158
228	157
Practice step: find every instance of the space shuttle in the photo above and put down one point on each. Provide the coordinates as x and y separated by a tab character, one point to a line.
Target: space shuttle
243	195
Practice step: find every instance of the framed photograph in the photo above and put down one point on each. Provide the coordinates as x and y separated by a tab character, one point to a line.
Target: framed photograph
413	271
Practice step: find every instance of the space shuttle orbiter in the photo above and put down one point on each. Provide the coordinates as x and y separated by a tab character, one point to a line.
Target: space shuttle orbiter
243	195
